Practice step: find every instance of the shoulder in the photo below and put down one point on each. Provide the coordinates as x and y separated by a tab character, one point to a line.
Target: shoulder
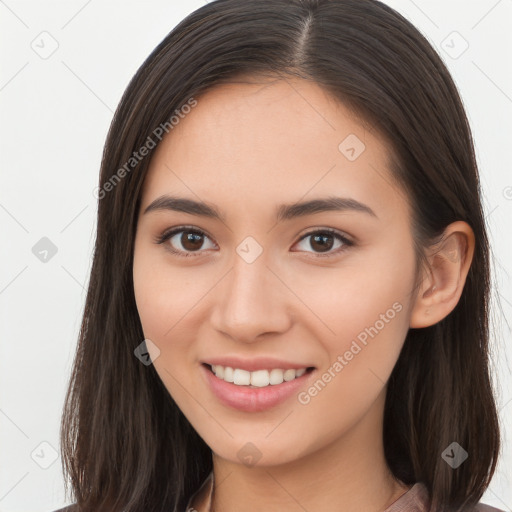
482	507
71	508
417	499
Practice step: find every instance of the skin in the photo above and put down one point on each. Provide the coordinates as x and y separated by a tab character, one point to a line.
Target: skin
246	148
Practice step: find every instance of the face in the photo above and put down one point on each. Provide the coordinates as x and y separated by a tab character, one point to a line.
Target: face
252	281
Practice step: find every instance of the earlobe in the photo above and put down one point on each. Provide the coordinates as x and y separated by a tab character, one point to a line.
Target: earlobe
449	261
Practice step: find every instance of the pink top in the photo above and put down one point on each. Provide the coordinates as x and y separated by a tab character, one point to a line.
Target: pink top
413	500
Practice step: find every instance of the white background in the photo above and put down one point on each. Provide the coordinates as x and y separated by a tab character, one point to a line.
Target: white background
55	113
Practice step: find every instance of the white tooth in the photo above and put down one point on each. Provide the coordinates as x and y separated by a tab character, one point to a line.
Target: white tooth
289	375
241	377
276	376
260	378
228	374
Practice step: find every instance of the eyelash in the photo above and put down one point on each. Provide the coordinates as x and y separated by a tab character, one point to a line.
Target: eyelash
190	229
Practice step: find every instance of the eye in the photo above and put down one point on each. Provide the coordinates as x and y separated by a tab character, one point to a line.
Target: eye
184	241
323	240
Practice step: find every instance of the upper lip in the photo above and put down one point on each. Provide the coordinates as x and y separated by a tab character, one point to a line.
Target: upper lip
256	363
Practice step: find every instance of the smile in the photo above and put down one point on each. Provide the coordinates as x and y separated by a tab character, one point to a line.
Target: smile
258	378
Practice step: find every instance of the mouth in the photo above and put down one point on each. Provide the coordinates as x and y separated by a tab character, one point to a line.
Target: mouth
259	378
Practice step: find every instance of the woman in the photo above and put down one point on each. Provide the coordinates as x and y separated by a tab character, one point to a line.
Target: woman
288	304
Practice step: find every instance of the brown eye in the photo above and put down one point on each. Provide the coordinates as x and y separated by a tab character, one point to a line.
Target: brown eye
185	242
321	242
191	241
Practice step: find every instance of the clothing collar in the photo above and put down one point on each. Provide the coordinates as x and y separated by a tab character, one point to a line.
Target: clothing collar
413	500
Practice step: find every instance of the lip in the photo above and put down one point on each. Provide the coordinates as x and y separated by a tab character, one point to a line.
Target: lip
254	399
256	363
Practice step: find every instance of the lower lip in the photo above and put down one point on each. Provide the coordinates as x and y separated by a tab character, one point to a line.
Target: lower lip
249	399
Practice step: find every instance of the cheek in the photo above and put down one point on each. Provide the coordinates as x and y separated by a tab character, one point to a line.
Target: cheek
367	317
165	298
371	290
165	295
364	311
152	296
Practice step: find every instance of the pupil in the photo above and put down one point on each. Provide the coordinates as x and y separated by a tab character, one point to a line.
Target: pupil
321	240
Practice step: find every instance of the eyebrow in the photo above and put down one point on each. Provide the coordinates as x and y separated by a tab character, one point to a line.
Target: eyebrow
283	211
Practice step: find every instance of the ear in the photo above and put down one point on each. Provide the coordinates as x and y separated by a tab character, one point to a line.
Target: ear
442	283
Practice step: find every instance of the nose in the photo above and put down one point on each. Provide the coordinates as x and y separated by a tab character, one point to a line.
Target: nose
251	301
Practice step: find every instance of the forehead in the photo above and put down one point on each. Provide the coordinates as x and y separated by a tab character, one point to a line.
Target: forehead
268	142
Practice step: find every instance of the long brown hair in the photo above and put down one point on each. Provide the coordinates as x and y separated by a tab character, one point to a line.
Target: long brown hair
126	446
